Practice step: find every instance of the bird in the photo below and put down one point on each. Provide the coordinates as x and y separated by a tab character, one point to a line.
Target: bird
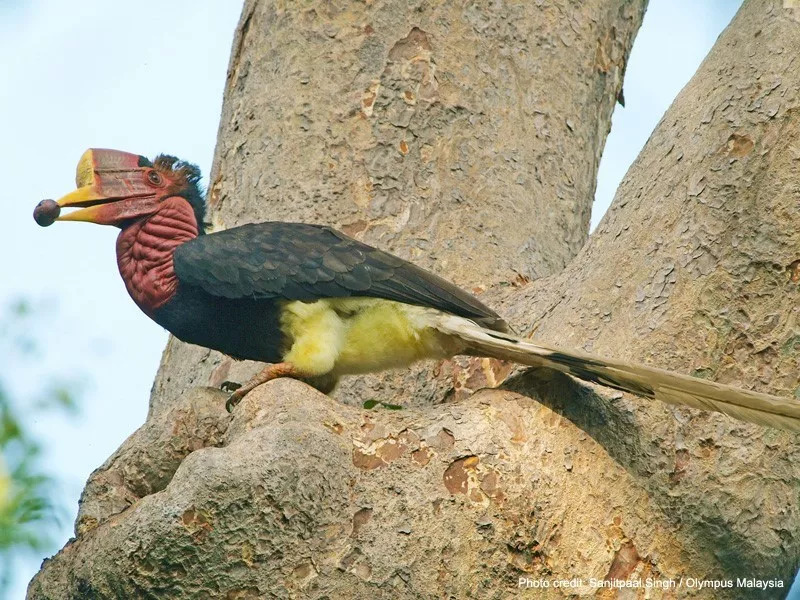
315	304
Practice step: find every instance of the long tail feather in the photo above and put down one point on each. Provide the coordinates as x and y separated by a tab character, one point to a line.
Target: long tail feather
674	388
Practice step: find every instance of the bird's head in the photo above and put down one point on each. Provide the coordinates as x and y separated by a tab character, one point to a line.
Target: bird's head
119	188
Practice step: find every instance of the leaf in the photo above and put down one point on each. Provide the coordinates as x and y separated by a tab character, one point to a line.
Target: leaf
370	404
388	406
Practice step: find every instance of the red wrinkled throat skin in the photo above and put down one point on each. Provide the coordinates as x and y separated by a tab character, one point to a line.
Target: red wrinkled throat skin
145	250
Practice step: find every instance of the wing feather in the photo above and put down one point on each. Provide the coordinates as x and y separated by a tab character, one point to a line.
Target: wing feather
298	261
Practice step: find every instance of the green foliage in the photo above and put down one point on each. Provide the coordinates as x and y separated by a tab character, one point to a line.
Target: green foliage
28	509
371	404
24	491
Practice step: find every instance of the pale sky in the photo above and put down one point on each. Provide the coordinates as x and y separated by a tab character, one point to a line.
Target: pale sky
147	77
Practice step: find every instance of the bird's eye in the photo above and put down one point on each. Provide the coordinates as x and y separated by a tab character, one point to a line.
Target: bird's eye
154	177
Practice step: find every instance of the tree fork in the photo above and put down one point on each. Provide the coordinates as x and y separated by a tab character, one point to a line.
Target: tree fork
694	269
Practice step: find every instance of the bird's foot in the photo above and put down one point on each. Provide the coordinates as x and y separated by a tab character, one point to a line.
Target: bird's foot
232	401
269	373
229	386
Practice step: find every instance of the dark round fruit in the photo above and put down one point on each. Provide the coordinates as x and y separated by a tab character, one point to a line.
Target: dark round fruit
46	212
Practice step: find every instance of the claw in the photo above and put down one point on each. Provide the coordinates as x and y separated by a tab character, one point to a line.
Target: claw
229	386
232	401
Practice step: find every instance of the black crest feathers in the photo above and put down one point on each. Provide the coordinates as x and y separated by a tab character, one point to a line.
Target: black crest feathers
187	181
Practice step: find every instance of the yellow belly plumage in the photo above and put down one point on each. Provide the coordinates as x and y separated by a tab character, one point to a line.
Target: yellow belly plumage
343	336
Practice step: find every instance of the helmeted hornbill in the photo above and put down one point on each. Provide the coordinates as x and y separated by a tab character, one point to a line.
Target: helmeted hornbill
316	304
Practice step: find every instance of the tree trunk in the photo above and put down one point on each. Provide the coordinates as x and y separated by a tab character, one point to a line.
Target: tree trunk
467	139
436	131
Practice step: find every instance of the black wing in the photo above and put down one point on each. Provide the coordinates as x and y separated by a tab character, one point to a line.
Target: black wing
298	261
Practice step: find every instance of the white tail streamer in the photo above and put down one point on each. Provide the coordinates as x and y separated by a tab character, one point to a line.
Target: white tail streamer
674	388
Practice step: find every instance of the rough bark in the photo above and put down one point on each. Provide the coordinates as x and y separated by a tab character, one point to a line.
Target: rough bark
695	268
436	130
